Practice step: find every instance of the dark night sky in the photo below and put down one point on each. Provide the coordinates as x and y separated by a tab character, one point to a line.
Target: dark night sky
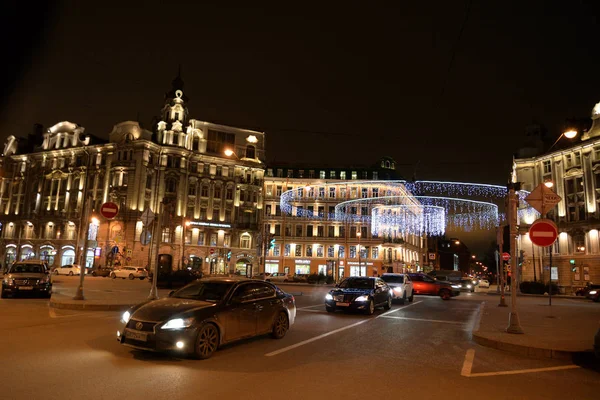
341	84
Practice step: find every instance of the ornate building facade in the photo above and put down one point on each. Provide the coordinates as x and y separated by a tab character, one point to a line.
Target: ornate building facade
310	238
201	182
573	172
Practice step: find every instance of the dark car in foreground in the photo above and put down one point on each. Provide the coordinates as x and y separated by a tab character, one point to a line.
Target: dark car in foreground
424	284
200	317
27	277
360	294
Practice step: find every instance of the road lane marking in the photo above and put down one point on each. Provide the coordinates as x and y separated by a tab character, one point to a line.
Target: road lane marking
470	357
274	353
468	363
398	309
425	320
304	308
307	341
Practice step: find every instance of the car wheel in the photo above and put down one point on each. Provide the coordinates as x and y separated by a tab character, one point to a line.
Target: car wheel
403	299
141	278
207	341
330	309
112	275
388	303
94	273
445	294
370	307
70	273
131	277
472	290
281	326
412	297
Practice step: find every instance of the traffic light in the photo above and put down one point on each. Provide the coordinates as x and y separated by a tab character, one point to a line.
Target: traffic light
229	255
272	243
573	267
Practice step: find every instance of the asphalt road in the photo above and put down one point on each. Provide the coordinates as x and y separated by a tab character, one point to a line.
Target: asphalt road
414	351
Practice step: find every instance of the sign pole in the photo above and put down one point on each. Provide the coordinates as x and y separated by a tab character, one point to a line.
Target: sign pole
502	281
514	326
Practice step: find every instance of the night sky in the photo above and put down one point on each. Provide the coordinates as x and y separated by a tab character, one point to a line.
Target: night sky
446	88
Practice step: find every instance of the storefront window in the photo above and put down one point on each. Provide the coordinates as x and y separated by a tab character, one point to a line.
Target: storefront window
302	269
11	255
271	268
68	257
322	269
27	254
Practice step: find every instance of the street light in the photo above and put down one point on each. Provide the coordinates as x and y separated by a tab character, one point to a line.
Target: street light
358	235
457	242
83	266
569	134
229	152
549	184
183	236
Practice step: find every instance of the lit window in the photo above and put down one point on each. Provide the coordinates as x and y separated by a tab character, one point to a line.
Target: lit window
354	175
322	175
245	241
332	174
343	175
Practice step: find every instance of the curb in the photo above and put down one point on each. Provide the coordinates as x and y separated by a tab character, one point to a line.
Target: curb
89	307
528	351
543	296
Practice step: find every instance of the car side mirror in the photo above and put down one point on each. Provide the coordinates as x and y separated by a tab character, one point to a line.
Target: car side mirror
171	293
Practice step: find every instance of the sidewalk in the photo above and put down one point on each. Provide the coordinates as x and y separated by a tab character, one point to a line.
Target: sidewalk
101	300
557	331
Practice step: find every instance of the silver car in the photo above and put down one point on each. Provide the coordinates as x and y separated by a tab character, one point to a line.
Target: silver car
402	286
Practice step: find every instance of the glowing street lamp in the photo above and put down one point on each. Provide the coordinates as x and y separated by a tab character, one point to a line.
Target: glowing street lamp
549	184
229	152
569	134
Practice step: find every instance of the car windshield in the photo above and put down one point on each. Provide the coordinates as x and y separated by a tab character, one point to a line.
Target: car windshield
393	278
205	291
357	284
31	268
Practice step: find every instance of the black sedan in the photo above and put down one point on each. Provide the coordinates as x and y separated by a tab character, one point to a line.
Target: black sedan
359	293
200	317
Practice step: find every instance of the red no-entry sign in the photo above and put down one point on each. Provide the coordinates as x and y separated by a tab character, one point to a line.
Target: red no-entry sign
505	256
543	232
109	210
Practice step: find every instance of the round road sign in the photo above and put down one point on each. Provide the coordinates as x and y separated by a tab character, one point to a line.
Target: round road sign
505	256
212	251
543	232
109	210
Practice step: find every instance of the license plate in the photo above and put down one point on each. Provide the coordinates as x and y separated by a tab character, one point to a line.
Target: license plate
25	287
136	336
342	304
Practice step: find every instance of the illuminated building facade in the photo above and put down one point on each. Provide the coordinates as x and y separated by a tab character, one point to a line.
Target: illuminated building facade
310	238
574	173
201	181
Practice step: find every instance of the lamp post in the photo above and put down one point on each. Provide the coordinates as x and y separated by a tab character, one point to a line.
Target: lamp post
92	221
569	134
183	236
359	234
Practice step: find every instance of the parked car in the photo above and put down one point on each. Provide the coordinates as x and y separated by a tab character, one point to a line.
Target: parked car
103	272
424	284
402	287
31	277
278	277
206	314
129	272
484	284
359	293
262	276
176	279
69	269
467	285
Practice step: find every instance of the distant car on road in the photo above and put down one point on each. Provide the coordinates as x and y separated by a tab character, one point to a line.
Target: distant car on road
594	294
467	285
278	277
402	287
424	284
359	293
29	277
129	272
484	284
69	269
206	314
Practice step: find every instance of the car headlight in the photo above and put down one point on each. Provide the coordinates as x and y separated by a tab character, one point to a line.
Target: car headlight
178	323
328	297
126	316
9	281
474	282
398	289
362	298
593	292
456	286
469	286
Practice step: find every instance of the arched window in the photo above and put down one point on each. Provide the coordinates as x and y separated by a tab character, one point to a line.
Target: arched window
382	164
196	144
68	257
250	152
171	186
387	164
245	241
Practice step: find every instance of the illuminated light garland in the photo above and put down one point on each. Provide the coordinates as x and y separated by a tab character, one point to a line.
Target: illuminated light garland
421	207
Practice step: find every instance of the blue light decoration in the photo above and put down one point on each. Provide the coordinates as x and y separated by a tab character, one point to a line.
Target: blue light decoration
419	207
